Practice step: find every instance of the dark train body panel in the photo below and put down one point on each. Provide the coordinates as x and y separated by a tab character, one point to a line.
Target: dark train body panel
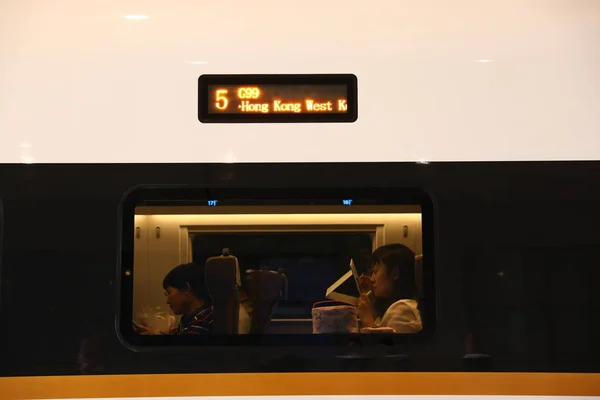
517	266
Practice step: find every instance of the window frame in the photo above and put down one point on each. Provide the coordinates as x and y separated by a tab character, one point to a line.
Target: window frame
154	196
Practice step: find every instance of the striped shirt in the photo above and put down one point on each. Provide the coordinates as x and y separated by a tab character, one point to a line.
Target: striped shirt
199	324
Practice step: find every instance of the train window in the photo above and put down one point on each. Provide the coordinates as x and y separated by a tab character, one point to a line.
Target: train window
233	266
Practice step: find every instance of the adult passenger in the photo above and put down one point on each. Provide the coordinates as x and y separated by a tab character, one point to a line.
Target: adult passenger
388	298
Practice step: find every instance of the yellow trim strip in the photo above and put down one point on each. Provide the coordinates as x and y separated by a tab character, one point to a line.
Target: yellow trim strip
300	384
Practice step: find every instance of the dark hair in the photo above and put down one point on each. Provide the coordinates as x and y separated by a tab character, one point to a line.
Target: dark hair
401	258
188	274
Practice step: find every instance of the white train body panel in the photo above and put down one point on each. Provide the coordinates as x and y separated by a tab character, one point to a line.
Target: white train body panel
438	80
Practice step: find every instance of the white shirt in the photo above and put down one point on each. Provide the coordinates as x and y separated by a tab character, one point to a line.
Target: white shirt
403	316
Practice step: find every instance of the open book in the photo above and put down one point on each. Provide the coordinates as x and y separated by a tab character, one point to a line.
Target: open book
342	290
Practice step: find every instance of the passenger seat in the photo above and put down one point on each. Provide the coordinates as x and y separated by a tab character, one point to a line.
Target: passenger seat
222	274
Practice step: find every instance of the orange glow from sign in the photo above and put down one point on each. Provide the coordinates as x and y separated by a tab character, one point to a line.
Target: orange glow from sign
279	99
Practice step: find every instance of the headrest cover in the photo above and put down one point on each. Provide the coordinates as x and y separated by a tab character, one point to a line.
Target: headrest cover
228	260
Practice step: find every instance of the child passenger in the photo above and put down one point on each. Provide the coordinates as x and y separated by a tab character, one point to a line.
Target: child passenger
187	296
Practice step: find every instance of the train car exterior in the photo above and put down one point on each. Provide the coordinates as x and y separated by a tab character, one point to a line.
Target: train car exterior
488	107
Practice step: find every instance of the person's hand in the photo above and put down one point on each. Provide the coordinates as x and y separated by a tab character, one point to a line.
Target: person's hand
366	310
141	329
364	282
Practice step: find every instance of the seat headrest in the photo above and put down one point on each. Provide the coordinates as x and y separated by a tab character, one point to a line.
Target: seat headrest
265	285
227	261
